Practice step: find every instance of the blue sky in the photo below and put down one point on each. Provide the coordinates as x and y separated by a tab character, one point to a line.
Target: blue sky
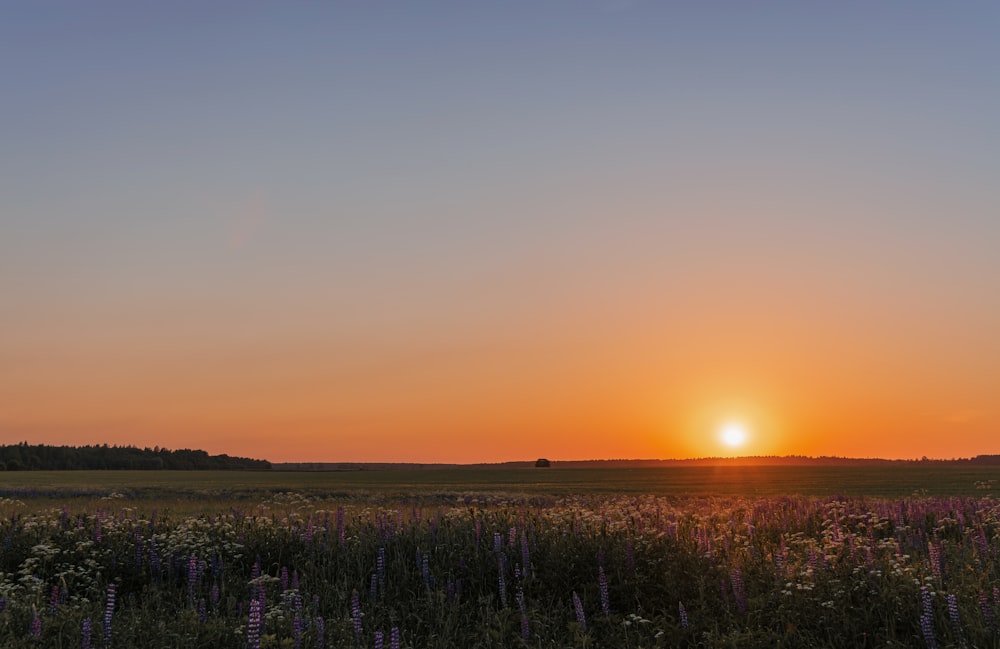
512	187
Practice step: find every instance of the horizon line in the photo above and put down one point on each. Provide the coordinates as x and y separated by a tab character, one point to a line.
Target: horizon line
722	458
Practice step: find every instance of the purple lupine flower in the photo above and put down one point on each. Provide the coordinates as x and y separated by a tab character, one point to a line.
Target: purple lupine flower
602	583
254	624
986	609
736	579
578	609
297	631
320	627
927	629
425	569
341	529
394	638
202	611
379	638
497	542
295	580
284	578
36	626
54	600
192	580
934	553
356	615
258	589
522	606
501	581
927	618
213	596
380	568
956	623
373	587
154	559
683	615
109	611
525	554
478	530
85	631
982	545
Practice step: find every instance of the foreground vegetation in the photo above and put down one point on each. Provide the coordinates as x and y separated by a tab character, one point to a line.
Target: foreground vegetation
461	569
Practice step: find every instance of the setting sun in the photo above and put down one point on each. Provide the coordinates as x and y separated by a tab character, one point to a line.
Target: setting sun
686	248
733	434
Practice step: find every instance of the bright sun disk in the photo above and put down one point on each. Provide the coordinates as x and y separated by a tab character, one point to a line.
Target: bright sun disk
733	434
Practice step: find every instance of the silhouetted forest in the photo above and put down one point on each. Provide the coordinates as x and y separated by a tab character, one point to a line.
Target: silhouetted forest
25	457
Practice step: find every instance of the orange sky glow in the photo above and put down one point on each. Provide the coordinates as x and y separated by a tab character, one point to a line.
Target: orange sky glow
503	232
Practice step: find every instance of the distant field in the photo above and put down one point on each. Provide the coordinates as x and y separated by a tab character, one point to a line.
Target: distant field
679	481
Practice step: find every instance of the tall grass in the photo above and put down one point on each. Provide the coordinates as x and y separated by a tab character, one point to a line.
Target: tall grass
580	571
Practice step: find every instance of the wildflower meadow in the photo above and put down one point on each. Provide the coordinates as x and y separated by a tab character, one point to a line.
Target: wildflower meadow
312	570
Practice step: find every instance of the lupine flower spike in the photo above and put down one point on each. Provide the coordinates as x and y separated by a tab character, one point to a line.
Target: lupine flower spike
581	619
254	625
109	611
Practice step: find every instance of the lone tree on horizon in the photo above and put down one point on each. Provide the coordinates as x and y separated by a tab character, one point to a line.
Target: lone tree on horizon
542	463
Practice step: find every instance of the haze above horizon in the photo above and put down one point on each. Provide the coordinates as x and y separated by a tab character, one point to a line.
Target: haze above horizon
484	232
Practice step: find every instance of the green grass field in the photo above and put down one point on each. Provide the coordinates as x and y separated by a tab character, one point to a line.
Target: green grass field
889	481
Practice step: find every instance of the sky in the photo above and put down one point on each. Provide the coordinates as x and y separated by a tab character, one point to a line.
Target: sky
481	232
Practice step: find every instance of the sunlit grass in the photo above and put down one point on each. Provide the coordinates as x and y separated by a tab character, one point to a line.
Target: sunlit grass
902	480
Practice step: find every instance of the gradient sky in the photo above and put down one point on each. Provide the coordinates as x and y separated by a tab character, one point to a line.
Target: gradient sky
468	231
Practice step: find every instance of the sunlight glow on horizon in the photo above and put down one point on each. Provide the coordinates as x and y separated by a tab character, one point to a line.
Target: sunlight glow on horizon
480	232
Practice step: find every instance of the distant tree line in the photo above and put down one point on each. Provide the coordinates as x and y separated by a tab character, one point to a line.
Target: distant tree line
40	457
761	460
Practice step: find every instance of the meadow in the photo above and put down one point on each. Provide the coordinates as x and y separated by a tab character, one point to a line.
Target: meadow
904	556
